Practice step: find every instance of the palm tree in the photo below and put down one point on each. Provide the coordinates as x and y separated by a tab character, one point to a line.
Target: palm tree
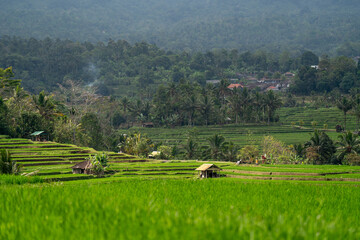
223	89
125	103
191	148
190	105
356	111
235	103
206	107
323	147
45	104
216	146
348	143
272	102
230	152
259	105
344	104
246	104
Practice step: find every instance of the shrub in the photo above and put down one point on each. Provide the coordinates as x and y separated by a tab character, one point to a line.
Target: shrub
352	159
165	152
102	158
99	163
135	144
97	168
276	151
7	166
249	153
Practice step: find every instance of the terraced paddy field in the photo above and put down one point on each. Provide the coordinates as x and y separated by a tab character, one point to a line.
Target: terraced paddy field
52	162
148	199
245	134
242	134
330	116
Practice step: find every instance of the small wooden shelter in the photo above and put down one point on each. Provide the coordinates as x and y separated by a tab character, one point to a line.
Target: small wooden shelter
148	125
82	168
39	136
208	171
154	154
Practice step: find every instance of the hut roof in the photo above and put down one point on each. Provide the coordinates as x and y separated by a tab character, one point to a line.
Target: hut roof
37	133
205	167
235	85
83	165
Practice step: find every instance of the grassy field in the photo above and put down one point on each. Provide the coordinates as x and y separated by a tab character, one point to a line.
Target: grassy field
179	209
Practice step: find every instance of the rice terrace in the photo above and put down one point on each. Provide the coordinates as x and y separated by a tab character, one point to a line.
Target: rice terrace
140	198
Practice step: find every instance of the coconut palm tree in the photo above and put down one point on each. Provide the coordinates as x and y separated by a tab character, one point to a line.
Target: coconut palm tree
356	110
344	104
235	103
348	143
206	107
191	148
190	105
216	146
323	147
223	90
272	102
45	104
125	103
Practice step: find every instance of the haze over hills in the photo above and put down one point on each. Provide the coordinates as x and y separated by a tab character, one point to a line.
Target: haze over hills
330	26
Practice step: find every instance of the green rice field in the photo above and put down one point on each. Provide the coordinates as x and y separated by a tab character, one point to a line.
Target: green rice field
157	199
180	209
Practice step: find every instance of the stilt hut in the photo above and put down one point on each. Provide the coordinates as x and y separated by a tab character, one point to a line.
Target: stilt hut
82	168
39	136
208	171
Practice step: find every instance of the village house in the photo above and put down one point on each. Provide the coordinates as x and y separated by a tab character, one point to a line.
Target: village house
289	75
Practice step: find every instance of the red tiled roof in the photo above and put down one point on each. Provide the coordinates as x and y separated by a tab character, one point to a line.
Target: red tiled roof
235	85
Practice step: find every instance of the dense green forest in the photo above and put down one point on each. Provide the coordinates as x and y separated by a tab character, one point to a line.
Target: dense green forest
119	68
330	27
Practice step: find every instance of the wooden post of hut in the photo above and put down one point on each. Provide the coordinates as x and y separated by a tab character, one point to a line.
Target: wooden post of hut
208	171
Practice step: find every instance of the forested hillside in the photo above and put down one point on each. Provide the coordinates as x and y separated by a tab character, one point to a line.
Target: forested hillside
321	26
123	69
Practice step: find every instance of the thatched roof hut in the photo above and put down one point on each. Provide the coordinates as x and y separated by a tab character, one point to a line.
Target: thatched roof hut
208	171
83	167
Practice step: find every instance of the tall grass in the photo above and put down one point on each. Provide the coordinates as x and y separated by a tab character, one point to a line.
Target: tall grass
180	209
